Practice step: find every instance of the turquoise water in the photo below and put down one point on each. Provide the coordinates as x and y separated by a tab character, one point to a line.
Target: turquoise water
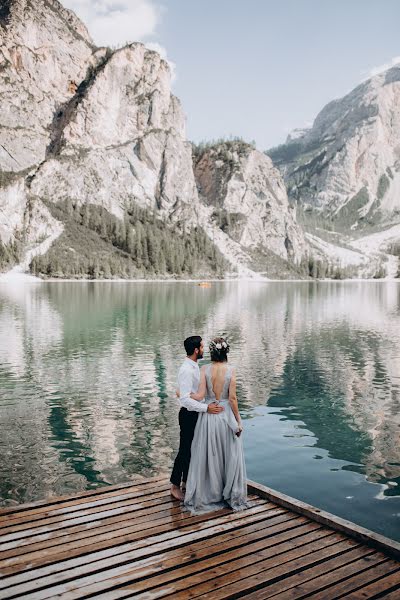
87	380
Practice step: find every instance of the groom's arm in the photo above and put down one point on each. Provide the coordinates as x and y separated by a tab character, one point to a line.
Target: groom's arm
185	379
201	392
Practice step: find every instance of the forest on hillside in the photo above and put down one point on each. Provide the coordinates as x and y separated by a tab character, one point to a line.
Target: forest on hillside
97	245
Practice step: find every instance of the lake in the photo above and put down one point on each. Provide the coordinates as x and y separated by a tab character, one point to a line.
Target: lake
87	393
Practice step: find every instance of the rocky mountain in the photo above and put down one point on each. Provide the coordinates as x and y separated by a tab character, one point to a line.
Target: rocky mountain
94	158
347	165
248	201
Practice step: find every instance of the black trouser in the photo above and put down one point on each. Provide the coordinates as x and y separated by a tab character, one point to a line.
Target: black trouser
187	423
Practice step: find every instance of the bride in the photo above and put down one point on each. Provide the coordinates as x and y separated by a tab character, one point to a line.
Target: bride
217	472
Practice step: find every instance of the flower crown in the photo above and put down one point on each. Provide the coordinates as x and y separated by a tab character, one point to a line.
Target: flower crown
220	345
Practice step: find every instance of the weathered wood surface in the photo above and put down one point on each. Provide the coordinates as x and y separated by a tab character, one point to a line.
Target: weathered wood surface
134	540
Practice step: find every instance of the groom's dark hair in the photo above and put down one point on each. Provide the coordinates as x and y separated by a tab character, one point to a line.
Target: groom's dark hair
191	343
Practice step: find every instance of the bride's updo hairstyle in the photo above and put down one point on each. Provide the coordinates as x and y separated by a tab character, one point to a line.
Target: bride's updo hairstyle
219	349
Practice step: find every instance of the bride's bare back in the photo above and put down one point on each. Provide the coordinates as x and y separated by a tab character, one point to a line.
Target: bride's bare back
218	374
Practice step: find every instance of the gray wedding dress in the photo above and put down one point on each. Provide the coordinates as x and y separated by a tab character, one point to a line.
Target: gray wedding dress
217	472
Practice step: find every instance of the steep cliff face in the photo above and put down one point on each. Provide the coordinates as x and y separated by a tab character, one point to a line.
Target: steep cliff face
121	139
249	199
348	164
45	52
82	125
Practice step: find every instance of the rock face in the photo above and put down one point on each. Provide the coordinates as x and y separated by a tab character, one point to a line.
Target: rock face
121	139
249	199
348	164
45	51
88	125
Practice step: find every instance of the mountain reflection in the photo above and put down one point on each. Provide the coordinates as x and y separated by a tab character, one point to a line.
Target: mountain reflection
88	371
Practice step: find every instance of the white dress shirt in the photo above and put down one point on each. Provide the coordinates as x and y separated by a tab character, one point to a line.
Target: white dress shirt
188	381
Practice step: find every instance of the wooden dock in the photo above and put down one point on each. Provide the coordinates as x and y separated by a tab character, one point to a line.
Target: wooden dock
133	540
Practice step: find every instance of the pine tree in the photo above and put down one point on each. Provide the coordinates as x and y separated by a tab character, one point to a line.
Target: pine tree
86	215
130	240
106	270
138	245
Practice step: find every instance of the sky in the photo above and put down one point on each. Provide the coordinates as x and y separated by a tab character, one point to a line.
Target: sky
255	69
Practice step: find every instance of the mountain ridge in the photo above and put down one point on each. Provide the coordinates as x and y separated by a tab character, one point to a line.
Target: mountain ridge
350	157
87	125
95	127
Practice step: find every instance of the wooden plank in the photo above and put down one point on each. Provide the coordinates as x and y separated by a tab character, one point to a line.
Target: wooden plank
389	586
139	521
53	523
345	588
38	520
136	531
149	554
79	508
149	517
353	530
135	540
68	531
108	579
60	528
220	570
392	595
240	576
305	582
84	545
118	577
132	522
50	501
119	520
129	516
178	537
162	560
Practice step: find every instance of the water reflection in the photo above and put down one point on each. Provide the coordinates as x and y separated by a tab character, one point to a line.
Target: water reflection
87	374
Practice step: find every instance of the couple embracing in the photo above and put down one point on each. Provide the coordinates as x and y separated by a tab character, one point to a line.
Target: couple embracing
210	462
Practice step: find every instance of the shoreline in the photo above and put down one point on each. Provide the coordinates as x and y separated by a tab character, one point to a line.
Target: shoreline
31	279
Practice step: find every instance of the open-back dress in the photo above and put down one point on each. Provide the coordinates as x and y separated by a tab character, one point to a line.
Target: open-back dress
217	472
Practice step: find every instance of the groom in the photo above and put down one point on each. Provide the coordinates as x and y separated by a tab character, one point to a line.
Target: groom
188	381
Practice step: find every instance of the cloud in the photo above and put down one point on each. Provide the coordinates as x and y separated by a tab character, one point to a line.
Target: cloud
115	22
380	68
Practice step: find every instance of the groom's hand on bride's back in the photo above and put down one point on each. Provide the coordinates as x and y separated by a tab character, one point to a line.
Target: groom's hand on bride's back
214	408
